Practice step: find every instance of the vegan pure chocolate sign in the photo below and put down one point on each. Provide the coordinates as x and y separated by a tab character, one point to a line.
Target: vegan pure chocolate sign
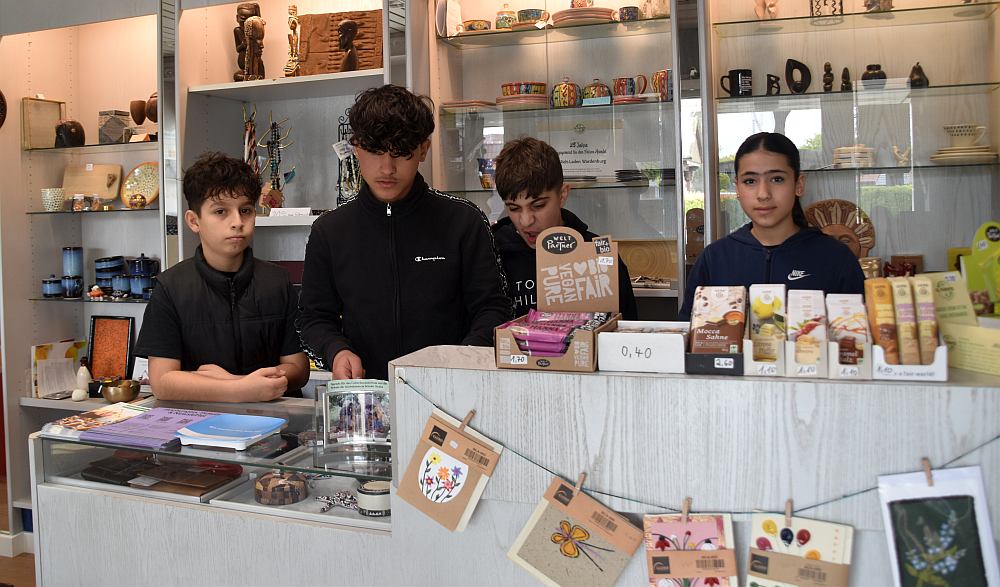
575	275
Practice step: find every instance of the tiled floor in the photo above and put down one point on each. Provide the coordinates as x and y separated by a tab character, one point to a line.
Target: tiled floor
18	571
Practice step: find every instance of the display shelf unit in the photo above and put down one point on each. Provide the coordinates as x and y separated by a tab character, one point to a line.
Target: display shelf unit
593	141
89	301
82	214
918	208
70	64
294	88
559	34
851	21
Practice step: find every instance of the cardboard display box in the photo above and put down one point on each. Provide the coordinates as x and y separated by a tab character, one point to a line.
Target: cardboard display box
572	275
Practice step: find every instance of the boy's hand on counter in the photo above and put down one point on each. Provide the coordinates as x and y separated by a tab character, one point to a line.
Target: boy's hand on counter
347	365
263	385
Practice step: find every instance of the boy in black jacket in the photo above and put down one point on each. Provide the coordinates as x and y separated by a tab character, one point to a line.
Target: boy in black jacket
402	266
530	181
220	326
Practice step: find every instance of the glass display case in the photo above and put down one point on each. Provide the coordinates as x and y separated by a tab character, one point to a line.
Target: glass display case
308	481
596	84
895	129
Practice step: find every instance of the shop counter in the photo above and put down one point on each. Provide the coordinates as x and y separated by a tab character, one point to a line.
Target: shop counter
645	441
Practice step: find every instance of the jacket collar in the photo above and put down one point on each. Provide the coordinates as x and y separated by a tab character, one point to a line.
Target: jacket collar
744	236
218	281
399	208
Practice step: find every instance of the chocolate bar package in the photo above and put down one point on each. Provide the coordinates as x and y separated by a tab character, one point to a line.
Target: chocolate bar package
882	317
906	321
767	320
718	315
848	326
806	324
927	329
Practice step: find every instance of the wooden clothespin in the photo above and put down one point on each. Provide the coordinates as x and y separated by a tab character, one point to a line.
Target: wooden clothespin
926	463
788	514
685	509
465	421
579	483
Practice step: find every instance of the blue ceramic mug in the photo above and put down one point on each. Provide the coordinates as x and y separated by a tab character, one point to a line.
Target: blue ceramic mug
139	283
72	286
52	287
121	283
72	259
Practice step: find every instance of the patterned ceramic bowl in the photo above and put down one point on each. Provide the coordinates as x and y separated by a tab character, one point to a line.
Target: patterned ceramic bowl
520	88
475	25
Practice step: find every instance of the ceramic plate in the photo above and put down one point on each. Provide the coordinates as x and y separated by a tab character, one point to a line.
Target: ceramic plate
581	21
441	17
145	180
965	159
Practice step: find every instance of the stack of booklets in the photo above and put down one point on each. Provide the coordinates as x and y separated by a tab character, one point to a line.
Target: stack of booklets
230	431
75	425
155	429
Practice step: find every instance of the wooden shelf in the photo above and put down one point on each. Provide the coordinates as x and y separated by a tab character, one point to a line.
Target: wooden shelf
294	88
264	221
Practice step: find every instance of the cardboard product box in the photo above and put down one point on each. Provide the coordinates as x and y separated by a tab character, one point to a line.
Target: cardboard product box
572	275
973	348
641	348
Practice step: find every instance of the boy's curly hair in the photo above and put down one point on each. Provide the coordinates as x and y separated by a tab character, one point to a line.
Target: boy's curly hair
391	119
216	175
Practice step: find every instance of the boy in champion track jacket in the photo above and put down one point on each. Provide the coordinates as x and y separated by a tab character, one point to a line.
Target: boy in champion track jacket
402	266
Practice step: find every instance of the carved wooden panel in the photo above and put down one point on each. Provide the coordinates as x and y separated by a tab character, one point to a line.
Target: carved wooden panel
320	51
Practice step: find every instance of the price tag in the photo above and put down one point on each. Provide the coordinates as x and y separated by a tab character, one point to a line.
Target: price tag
637	354
850	371
90	167
724	363
519	359
343	149
767	368
606	261
807	370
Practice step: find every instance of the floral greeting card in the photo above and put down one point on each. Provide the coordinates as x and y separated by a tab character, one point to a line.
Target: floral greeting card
449	471
571	539
939	535
705	536
800	553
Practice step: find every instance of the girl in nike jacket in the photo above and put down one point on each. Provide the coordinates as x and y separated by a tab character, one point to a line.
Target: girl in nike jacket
777	245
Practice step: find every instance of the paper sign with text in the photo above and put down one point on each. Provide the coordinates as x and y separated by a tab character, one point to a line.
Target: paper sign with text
449	471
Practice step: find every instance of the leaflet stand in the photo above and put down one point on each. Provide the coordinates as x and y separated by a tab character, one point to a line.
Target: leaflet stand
754	368
860	371
936	371
796	369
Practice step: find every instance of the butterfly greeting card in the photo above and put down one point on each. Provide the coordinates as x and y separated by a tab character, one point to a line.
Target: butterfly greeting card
805	552
572	539
696	553
449	471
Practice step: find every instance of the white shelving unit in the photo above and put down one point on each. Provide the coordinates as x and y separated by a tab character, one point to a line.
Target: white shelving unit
294	88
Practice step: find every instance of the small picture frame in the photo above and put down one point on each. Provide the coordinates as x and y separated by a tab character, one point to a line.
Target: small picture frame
111	346
39	118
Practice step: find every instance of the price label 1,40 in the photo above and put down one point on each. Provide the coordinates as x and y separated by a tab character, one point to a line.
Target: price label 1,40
849	371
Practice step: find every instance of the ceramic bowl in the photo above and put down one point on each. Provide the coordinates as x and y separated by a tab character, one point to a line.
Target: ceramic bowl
476	25
52	199
109	263
532	15
521	88
124	391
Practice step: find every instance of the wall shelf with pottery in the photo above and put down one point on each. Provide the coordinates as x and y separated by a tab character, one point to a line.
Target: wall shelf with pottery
858	20
580	32
863	97
91	213
105	148
294	88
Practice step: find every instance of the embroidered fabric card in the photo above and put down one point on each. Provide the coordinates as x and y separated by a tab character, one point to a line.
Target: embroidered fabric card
449	471
572	539
807	553
940	534
696	554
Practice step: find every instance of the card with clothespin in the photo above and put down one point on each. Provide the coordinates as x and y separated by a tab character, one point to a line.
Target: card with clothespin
789	551
573	539
938	527
690	548
449	470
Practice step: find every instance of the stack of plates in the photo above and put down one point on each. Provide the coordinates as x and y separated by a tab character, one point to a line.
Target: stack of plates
523	101
964	155
855	156
628	100
663	174
579	178
578	16
466	104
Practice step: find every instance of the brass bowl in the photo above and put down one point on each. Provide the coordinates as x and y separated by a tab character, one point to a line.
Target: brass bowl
126	391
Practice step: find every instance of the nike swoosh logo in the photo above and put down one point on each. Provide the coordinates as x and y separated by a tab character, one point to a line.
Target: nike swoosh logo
796	276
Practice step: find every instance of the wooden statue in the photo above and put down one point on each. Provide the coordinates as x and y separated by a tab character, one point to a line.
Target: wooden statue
243	12
347	30
292	67
253	29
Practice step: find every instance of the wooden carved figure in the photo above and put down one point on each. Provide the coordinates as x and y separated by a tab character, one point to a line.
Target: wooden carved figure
348	31
253	29
243	12
827	77
292	67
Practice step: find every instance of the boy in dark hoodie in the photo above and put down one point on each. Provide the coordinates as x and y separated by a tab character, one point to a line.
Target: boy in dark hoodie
529	178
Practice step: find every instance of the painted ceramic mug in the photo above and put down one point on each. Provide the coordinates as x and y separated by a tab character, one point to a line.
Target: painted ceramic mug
532	15
72	286
627	13
661	82
629	86
566	95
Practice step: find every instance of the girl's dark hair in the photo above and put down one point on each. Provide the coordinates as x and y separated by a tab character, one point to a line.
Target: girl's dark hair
216	175
776	143
391	119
